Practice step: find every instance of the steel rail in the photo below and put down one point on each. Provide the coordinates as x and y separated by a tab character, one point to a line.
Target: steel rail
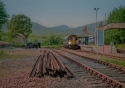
69	73
121	68
108	55
34	68
102	76
37	61
48	64
121	51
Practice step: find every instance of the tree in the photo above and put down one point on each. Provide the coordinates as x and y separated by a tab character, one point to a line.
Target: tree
53	40
19	24
117	35
3	16
100	24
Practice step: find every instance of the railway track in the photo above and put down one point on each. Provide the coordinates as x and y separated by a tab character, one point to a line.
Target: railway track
107	55
121	51
96	73
109	73
79	72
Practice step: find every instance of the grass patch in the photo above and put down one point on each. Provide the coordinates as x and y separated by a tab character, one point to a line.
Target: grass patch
11	47
3	57
3	52
51	46
33	38
120	46
6	55
118	62
110	60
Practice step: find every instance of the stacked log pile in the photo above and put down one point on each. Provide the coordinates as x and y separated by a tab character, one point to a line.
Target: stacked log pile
48	64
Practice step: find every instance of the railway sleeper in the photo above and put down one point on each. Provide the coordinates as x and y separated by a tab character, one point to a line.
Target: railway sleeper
98	83
100	86
108	82
89	77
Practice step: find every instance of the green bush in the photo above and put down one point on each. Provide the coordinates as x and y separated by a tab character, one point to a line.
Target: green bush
116	35
120	46
18	44
11	47
53	40
3	52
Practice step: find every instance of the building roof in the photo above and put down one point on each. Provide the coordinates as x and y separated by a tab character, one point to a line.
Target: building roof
20	35
85	34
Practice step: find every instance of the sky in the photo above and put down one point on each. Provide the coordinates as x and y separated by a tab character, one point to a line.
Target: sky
73	13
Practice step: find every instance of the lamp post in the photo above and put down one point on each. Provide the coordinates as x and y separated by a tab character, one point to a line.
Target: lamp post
96	31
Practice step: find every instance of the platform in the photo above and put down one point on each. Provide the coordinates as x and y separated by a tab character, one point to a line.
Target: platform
107	49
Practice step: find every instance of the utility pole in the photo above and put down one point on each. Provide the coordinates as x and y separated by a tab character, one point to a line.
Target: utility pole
105	19
96	31
104	32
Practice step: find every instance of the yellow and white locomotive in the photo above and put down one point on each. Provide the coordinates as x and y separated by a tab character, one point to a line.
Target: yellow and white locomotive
71	42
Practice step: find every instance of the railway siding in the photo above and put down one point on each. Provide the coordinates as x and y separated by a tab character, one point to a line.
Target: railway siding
97	60
112	56
121	51
82	74
101	69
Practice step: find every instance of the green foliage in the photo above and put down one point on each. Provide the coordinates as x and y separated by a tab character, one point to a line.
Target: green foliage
53	40
51	46
117	15
118	62
12	56
18	44
19	24
3	52
116	35
34	39
4	37
3	16
11	47
100	24
120	46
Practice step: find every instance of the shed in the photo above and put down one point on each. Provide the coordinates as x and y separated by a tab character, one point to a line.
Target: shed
19	38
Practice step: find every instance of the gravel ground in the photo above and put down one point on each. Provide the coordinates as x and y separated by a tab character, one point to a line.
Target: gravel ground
14	73
22	80
72	83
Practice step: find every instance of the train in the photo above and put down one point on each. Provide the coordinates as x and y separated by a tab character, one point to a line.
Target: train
71	42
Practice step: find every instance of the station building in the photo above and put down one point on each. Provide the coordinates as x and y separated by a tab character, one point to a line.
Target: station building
85	38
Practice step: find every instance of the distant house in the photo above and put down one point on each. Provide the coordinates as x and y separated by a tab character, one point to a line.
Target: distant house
43	37
19	38
85	38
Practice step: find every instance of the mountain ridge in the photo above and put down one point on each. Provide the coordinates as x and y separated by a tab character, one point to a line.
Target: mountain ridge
38	29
